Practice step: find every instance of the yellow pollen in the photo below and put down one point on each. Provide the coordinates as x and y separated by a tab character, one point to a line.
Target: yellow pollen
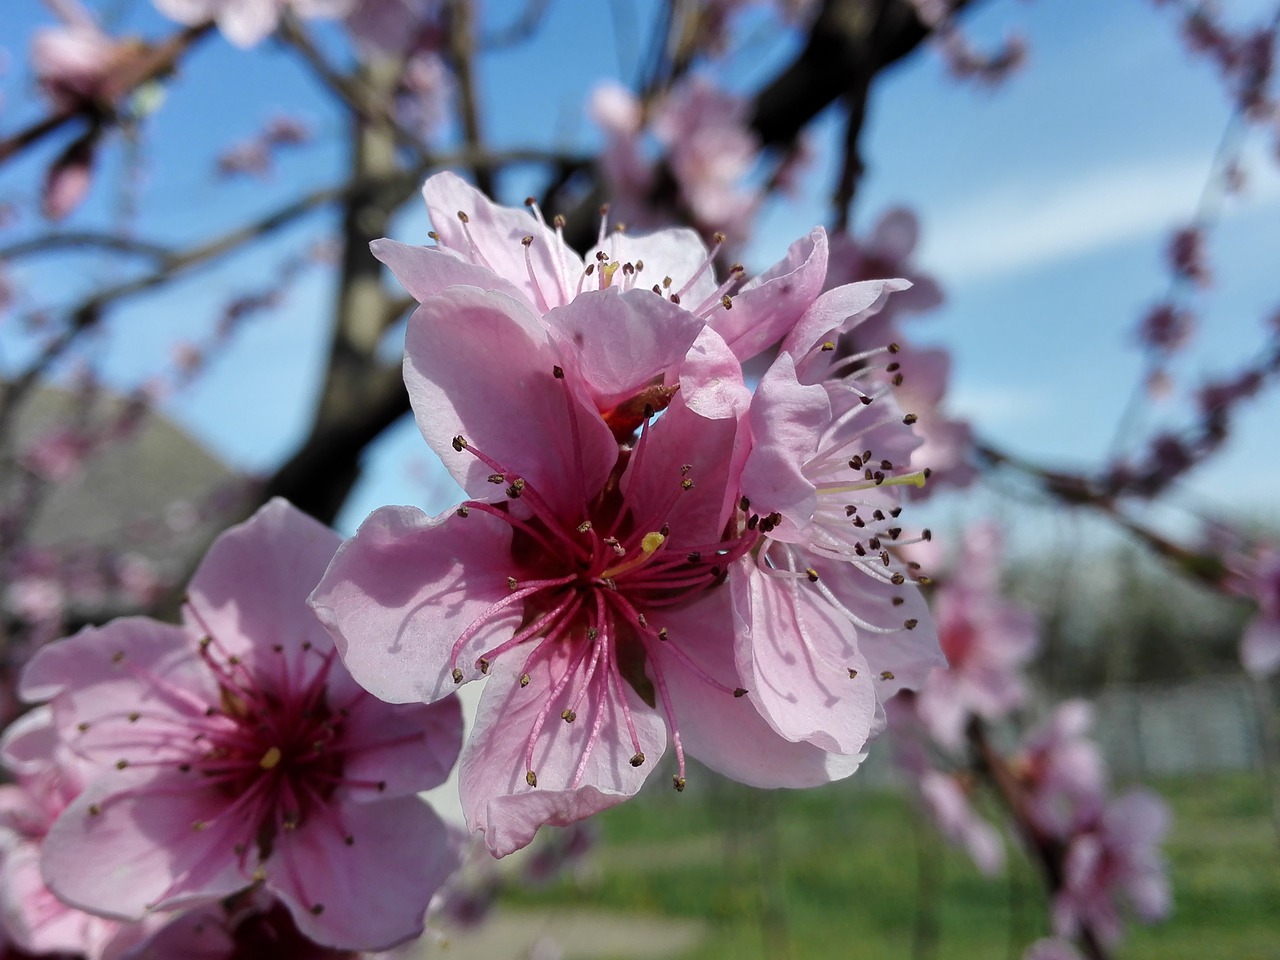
270	758
648	547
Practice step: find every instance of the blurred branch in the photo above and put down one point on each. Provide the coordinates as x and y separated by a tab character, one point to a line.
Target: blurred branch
521	29
78	239
462	53
156	62
357	98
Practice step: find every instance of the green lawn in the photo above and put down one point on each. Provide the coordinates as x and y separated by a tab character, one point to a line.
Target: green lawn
846	872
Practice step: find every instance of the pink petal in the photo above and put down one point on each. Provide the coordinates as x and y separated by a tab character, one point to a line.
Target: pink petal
499	803
850	303
100	674
141	849
481	365
406	747
402	590
493	237
620	341
711	379
795	654
766	309
34	919
787	420
400	849
724	732
253	583
896	235
427	271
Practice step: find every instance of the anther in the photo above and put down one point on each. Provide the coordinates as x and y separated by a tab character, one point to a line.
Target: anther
557	372
512	583
924	581
516	488
496	478
686	484
910	624
812	574
637	759
744	504
891	368
82	726
531	778
592	633
909	419
94	809
886	674
459	443
270	759
898	601
118	656
464	511
121	764
897	579
433	235
568	716
463	217
662	633
457	675
524	679
675	298
897	380
739	693
828	346
678	782
853	674
483	664
727	302
584	526
317	909
894	348
527	241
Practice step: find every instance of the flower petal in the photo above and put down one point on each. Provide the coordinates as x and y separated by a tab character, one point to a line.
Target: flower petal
399	848
400	592
406	748
427	271
499	803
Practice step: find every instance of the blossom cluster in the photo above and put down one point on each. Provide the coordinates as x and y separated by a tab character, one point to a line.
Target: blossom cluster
650	554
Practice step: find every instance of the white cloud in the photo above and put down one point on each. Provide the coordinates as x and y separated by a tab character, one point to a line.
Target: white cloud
1028	224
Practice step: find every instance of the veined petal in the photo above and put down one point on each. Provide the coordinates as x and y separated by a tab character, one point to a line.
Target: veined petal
765	310
499	803
131	843
677	253
427	271
255	579
619	341
405	749
492	236
849	304
481	365
724	732
403	589
800	662
399	847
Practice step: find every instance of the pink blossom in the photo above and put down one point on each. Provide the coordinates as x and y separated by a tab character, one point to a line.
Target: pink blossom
950	810
585	575
822	482
247	22
397	27
1117	861
986	639
47	779
77	64
1260	647
235	750
1063	772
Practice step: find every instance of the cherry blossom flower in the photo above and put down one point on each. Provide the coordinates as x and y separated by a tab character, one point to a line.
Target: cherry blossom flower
585	575
77	64
1117	861
949	808
1063	772
986	640
1260	646
234	750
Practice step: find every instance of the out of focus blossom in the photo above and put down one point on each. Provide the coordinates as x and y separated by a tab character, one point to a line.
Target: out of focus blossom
986	639
1116	863
701	145
247	22
1063	772
424	94
949	808
397	27
887	252
68	178
235	751
1260	647
1187	256
1166	328
77	65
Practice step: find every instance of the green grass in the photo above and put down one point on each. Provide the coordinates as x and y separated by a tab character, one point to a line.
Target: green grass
844	872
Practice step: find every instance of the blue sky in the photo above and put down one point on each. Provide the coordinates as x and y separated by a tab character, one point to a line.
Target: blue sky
1045	206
